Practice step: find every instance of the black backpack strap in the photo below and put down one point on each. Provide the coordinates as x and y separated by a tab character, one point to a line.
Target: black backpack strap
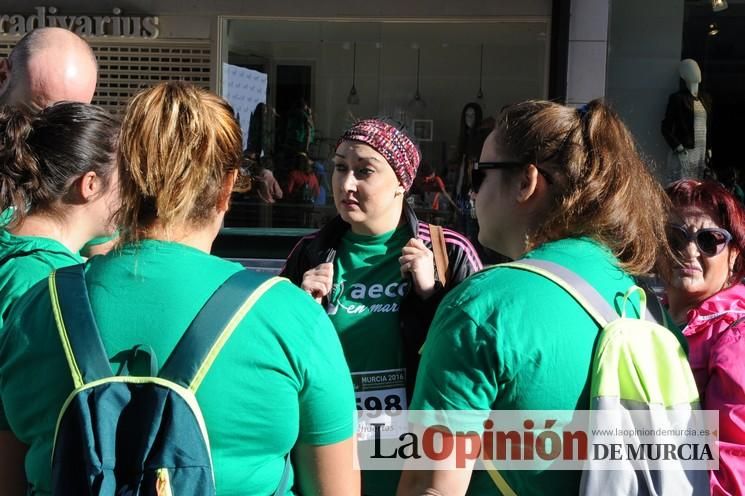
77	328
211	328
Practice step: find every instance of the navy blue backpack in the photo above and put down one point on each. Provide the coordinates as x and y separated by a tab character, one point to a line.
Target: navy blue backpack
129	435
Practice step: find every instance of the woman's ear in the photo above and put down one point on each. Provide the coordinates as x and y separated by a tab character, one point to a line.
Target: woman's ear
223	199
733	254
528	187
89	186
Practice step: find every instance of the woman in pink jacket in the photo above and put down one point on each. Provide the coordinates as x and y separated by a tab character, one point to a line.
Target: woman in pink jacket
707	298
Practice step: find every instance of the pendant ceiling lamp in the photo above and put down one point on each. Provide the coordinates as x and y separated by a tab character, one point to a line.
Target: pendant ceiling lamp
353	98
418	102
719	5
480	94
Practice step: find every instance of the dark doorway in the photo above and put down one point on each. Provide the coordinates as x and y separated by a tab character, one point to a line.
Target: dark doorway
293	86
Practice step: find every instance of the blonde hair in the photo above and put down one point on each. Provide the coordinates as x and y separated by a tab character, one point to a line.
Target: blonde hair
603	188
178	143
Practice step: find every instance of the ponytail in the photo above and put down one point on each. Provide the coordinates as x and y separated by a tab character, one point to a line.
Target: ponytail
178	144
604	189
19	167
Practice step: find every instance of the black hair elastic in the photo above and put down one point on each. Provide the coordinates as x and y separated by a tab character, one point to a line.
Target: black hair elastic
582	110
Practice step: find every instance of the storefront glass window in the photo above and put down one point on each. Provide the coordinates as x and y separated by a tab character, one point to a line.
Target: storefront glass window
296	85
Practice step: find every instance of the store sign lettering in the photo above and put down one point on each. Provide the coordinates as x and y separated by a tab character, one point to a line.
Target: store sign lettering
83	25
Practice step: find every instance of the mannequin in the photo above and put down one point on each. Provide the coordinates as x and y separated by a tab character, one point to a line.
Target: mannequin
687	125
469	147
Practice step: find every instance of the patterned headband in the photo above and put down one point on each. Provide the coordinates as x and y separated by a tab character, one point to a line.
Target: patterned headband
399	151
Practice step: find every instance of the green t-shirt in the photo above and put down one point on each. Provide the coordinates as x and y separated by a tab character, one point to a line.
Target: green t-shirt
280	379
97	241
26	260
507	339
363	305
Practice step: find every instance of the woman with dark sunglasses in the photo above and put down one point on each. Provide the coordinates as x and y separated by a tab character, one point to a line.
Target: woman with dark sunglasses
706	231
556	184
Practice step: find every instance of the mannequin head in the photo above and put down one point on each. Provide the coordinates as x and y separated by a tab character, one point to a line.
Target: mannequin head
471	115
470	120
691	74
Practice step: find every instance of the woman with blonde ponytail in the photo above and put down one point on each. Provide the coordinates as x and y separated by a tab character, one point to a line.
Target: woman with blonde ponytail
278	382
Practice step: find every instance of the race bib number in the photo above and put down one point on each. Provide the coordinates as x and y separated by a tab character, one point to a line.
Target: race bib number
381	402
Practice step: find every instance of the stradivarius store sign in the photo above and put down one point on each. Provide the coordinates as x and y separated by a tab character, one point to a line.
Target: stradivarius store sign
113	24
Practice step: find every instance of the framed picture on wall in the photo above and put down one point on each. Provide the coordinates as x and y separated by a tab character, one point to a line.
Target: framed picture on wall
422	129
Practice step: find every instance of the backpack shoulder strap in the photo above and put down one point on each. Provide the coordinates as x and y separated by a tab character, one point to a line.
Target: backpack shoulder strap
656	310
440	252
77	328
587	296
197	349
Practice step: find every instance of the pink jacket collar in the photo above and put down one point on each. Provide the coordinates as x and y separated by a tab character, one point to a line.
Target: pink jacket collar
728	304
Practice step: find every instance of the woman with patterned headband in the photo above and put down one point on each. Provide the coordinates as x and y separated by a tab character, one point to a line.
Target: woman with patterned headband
373	268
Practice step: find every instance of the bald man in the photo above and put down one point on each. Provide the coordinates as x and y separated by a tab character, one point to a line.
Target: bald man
46	66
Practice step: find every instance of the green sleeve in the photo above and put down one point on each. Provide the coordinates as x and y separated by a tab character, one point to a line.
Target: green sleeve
460	368
327	407
4	345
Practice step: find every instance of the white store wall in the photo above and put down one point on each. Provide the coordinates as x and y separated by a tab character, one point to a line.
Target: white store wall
644	52
628	52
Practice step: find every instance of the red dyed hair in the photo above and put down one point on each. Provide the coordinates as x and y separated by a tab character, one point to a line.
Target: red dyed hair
712	196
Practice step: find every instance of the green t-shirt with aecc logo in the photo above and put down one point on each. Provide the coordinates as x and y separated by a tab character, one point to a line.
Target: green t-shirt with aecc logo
366	296
363	305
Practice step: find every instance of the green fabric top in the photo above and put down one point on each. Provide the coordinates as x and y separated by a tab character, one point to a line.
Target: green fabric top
364	303
280	379
366	296
99	240
507	339
6	216
26	260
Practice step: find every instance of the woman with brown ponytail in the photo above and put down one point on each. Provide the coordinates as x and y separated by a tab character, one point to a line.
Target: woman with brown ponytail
554	184
57	190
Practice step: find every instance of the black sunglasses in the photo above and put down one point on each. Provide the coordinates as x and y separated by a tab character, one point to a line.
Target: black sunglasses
478	174
710	241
